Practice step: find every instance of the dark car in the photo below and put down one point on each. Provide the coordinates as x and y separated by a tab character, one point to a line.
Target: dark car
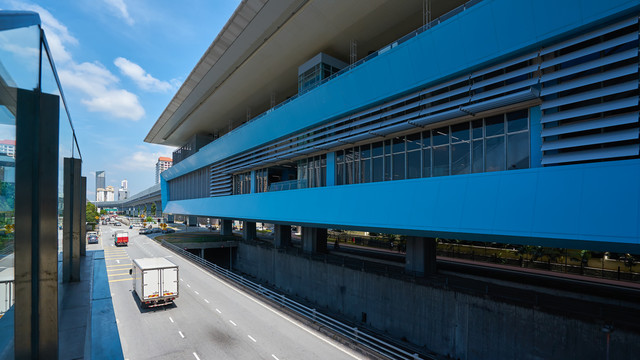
92	239
144	231
168	231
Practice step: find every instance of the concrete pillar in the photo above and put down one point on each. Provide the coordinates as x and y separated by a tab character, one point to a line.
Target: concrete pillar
282	236
202	253
158	209
192	220
72	220
83	217
314	240
248	230
170	218
226	227
421	256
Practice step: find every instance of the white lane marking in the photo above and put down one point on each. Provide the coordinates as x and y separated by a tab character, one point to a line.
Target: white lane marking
181	279
252	339
197	293
188	285
181	334
196	355
219	312
207	301
275	357
285	317
234	324
169	256
117	321
170	319
118	261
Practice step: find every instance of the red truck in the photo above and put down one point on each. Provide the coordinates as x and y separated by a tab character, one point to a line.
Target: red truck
121	237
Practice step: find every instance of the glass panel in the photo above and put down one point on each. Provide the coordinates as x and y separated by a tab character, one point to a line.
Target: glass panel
460	132
518	151
494	125
356	167
339	174
495	154
377	169
476	126
441	136
365	151
377	148
339	156
413	164
387	147
478	156
518	120
398	145
460	158
387	168
413	142
426	162
441	161
365	171
20	56
398	166
426	138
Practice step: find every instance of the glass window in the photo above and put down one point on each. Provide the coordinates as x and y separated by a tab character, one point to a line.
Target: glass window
478	156
387	168
398	145
518	120
377	169
441	136
365	171
387	147
460	158
476	126
340	174
426	162
518	151
377	148
460	132
495	152
413	142
413	164
494	125
441	160
398	166
365	151
426	138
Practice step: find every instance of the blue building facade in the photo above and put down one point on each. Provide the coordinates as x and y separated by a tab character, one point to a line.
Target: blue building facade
500	121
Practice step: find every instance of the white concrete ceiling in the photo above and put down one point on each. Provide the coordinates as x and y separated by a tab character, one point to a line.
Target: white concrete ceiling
259	51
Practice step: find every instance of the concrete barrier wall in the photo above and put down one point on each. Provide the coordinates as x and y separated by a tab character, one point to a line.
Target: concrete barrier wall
444	321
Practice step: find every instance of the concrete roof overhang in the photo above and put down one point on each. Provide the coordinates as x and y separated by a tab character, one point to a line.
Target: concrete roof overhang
260	48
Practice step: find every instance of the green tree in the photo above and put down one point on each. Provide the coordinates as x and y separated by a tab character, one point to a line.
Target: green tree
629	261
153	209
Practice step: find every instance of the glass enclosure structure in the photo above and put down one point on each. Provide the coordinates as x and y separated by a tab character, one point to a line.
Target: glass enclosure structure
32	110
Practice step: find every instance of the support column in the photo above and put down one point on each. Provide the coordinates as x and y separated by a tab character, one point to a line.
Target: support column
314	240
421	256
202	253
36	220
71	220
192	220
226	227
83	217
282	236
170	218
248	230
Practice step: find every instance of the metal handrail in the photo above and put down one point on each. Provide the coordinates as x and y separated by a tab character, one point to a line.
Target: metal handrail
352	333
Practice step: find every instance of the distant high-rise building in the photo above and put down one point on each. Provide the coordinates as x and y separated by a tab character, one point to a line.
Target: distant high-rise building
163	164
100	194
123	192
8	148
100	183
109	193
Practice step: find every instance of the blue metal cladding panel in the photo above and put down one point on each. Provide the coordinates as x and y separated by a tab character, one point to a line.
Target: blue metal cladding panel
596	203
535	117
489	31
164	192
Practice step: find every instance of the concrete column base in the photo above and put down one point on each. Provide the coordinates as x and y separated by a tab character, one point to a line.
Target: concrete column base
226	227
421	256
282	236
248	230
314	240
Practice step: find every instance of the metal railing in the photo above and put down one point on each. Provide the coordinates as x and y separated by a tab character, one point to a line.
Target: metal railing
355	334
288	185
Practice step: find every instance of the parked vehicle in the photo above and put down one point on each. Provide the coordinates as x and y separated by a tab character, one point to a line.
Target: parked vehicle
121	237
144	231
168	231
155	281
92	238
156	230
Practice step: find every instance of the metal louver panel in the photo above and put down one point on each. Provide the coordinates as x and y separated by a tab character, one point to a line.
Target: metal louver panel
446	115
573	84
591	49
597	154
602	138
588	95
591	124
590	65
593	109
499	102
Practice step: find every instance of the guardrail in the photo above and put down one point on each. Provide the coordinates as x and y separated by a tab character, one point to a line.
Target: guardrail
355	334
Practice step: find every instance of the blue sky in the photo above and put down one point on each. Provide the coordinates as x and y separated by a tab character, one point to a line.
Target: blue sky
120	62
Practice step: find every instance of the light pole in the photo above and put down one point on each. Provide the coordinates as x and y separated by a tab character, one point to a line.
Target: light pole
607	329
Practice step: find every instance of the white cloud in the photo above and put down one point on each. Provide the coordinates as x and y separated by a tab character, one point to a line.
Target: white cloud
140	160
121	10
98	85
143	79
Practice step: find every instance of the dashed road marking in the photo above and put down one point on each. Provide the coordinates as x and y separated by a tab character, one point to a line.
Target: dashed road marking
170	319
197	293
196	355
275	357
207	301
252	339
181	279
234	324
181	334
219	312
118	261
129	279
188	285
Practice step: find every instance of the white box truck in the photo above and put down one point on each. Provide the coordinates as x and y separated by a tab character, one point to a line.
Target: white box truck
155	281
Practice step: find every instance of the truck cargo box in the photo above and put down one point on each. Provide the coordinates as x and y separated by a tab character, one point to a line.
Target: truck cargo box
155	281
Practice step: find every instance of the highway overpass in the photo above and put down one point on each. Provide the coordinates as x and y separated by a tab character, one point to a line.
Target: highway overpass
136	204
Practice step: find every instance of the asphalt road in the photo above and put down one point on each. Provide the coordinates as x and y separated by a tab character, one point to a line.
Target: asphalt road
209	320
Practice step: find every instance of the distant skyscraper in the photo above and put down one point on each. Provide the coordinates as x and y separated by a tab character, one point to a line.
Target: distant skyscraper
123	192
109	193
163	164
100	183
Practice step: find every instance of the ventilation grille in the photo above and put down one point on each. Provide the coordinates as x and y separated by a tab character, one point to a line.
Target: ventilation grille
590	96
